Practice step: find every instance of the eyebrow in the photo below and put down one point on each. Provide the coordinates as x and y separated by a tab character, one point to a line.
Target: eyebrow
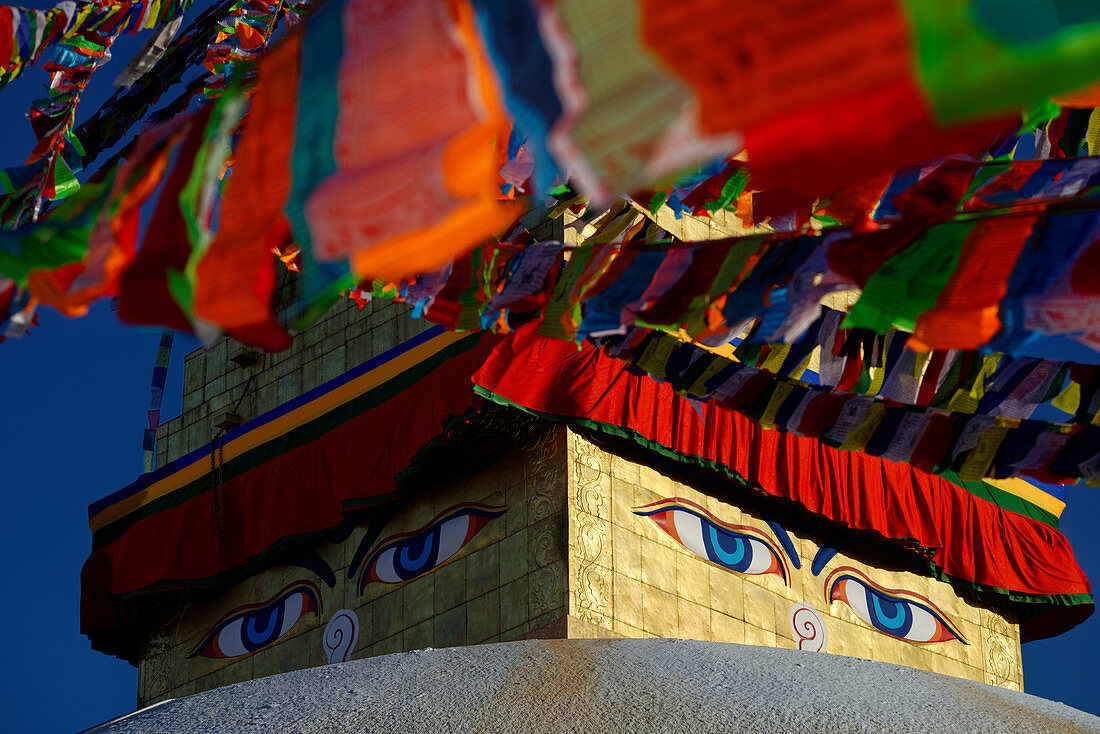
833	545
310	561
784	541
377	525
780	533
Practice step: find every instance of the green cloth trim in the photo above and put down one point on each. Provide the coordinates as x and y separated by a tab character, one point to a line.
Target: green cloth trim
659	448
1004	500
287	442
1059	600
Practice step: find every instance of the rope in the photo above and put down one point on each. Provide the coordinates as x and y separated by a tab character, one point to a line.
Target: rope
217	461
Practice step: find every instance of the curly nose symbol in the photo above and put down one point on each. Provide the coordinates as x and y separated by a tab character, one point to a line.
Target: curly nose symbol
809	628
340	636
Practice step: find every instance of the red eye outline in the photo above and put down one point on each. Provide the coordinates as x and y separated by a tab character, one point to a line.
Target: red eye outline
479	516
660	513
311	602
945	632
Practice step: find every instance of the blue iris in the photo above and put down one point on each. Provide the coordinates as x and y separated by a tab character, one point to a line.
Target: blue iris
261	627
254	629
425	543
417	554
895	617
727	549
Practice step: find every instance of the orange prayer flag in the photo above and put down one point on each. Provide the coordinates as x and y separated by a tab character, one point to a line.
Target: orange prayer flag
235	278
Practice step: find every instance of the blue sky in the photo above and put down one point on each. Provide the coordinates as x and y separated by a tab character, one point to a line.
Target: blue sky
75	394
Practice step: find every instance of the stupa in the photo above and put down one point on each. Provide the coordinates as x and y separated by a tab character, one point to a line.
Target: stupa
386	486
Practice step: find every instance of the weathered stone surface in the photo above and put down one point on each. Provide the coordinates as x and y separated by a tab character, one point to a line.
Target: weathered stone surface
609	686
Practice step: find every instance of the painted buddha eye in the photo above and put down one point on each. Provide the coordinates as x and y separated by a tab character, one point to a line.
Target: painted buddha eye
404	557
887	612
735	547
247	629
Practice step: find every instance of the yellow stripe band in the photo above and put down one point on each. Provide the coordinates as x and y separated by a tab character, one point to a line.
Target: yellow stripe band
272	425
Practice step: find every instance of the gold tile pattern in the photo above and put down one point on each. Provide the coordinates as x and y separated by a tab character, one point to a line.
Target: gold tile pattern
570	557
659	588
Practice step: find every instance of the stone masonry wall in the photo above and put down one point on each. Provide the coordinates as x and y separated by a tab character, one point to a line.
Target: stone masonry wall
342	339
507	583
215	385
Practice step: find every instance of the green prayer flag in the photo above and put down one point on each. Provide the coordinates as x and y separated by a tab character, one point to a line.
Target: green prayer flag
909	283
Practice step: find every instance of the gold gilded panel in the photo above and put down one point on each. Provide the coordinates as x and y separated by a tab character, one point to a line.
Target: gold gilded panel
590	533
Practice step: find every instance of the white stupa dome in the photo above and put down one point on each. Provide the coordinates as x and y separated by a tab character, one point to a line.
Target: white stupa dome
622	685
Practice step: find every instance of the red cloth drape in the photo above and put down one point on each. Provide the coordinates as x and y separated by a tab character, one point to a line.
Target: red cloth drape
306	485
303	489
971	538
